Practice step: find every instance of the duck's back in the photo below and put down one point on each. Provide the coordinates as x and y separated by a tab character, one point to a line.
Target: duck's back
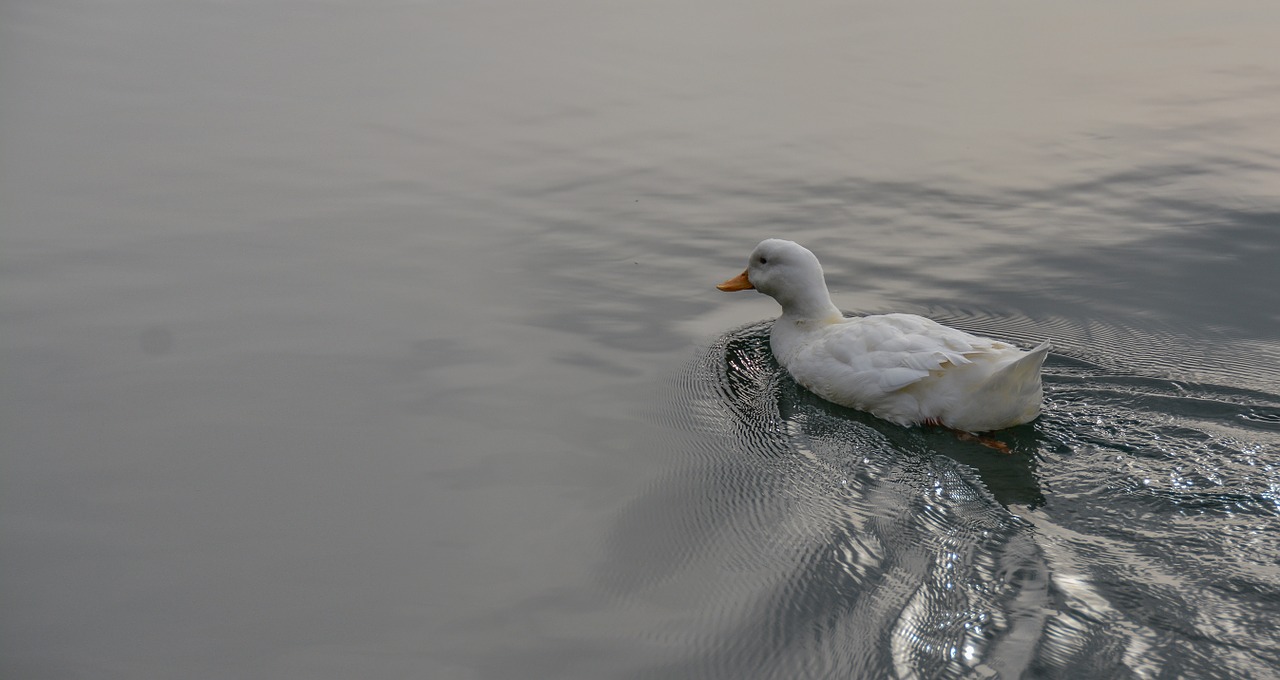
910	370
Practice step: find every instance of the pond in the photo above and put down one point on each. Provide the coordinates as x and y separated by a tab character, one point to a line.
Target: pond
381	339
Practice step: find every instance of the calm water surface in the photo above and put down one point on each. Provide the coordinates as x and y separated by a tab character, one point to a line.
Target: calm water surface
379	339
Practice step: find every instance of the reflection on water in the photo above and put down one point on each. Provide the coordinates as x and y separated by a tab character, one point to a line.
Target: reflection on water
843	546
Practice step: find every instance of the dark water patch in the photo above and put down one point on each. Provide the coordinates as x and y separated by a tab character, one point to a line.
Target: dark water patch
844	546
1110	542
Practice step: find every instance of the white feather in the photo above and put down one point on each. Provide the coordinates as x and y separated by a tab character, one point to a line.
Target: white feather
901	367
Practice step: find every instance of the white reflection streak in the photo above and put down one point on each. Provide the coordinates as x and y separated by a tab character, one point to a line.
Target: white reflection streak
1083	601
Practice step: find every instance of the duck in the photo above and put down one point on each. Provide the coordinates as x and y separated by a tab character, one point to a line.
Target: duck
903	368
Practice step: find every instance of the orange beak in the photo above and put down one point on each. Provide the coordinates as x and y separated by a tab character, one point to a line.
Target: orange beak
739	282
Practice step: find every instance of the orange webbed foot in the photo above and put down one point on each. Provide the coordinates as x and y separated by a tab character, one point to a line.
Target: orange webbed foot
989	442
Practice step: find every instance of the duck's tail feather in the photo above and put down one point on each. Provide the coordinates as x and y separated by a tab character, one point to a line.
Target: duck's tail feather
1010	396
1028	365
1019	378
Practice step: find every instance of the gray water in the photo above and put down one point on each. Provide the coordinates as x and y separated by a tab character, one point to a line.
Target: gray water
379	339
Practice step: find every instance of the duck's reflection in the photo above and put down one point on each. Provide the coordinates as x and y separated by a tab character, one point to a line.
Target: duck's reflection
816	540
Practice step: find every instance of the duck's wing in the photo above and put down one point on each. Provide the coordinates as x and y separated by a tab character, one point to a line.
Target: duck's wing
893	351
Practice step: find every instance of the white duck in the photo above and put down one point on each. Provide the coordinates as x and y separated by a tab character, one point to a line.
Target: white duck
901	367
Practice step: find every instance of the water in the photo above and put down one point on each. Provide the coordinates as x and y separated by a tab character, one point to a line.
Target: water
380	339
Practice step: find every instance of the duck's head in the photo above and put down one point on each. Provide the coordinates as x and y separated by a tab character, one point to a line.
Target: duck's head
787	272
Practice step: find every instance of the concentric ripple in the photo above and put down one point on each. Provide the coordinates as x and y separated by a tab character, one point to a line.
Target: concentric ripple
1132	531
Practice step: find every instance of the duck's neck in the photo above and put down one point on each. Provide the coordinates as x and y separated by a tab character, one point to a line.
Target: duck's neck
801	318
810	306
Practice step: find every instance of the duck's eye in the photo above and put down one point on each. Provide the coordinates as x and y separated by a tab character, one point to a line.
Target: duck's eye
764	260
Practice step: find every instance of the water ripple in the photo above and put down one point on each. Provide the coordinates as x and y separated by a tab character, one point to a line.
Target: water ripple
850	546
822	542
